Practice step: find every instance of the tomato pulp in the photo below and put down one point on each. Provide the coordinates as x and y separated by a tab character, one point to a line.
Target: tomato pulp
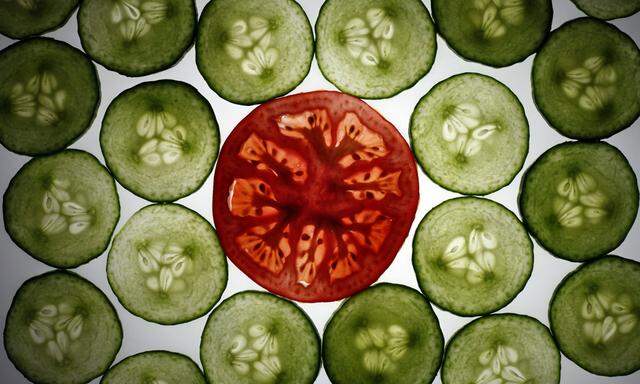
314	195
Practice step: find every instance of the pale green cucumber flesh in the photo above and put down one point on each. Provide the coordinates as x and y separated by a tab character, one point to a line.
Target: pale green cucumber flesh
579	200
506	347
586	79
62	209
469	134
256	337
471	256
61	329
155	367
385	334
610	9
49	92
595	316
160	139
166	265
24	18
375	49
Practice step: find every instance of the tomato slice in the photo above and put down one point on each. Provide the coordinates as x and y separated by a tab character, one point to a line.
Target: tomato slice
314	195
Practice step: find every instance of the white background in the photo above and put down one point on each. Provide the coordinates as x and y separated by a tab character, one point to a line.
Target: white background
140	335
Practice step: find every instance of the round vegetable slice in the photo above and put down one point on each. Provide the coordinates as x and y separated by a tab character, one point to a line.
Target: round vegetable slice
595	314
256	337
61	329
375	49
470	134
49	92
493	32
585	79
471	256
385	334
505	348
155	367
250	52
166	265
610	9
24	18
62	209
160	139
136	37
579	200
314	194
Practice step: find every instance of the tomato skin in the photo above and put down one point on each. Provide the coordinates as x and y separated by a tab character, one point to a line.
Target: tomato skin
254	193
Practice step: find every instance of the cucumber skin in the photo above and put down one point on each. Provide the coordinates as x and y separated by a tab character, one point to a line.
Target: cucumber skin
43	31
165	352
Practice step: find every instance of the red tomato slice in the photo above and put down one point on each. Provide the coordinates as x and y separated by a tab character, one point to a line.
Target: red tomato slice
313	195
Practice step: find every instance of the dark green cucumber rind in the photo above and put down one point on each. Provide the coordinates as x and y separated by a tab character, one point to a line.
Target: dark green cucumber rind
163	365
8	212
156	193
608	10
381	94
83	125
493	58
440	181
593	250
571	112
228	303
601	368
506	316
187	314
248	99
116	65
12	22
418	302
6	335
454	305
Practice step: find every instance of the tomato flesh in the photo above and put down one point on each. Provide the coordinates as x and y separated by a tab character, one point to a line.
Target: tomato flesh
314	195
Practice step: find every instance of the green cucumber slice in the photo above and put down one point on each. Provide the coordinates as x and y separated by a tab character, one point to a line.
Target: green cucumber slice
375	49
608	10
256	337
62	209
250	51
166	265
595	314
470	134
61	329
49	93
136	37
160	139
492	32
155	367
579	200
387	333
585	79
505	348
471	256
24	18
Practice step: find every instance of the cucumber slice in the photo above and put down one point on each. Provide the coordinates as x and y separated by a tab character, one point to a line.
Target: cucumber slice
471	256
155	367
136	37
595	314
470	134
608	10
375	49
160	139
579	200
585	79
62	209
251	51
61	329
385	334
505	348
24	18
492	32
49	93
166	265
256	337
